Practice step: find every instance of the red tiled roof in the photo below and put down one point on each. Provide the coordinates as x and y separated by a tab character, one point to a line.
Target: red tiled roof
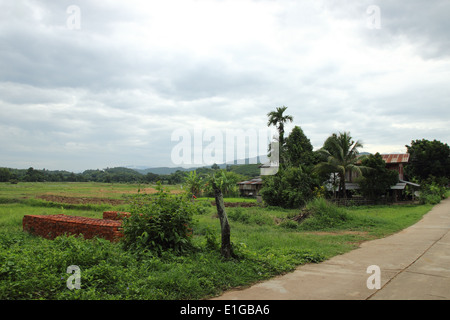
396	157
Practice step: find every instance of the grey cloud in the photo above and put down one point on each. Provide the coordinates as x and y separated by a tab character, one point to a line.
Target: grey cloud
104	95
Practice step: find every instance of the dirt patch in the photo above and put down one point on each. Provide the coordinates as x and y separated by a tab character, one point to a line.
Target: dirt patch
79	200
149	190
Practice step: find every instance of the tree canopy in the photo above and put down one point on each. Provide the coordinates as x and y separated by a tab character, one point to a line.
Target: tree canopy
428	158
340	154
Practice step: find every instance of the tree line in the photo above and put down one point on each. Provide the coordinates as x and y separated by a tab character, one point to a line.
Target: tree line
305	174
117	175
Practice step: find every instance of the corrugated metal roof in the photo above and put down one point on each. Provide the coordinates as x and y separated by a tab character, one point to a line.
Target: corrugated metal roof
396	157
252	181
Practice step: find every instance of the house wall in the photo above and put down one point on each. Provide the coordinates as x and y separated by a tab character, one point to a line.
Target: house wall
397	167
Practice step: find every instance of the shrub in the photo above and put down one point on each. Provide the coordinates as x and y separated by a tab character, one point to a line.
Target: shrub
249	216
158	223
238	214
431	192
289	188
323	215
289	224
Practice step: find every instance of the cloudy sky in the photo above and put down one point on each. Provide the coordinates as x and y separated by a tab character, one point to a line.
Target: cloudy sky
96	84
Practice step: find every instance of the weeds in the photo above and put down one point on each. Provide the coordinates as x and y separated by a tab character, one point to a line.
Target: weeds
267	241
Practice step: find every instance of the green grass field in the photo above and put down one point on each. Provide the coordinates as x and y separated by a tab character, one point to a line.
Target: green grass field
266	239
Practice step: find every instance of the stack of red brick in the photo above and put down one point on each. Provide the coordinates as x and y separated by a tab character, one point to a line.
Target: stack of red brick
115	215
51	226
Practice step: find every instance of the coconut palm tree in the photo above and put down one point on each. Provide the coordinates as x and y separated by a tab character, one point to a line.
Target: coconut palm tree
341	154
277	119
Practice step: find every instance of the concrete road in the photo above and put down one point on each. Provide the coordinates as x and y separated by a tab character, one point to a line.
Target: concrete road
413	264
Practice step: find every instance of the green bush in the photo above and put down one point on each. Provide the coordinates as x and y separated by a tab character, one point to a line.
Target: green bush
431	192
158	223
239	215
249	216
323	215
289	188
289	224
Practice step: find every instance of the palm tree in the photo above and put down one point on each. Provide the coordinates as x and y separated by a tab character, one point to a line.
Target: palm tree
194	183
341	154
277	119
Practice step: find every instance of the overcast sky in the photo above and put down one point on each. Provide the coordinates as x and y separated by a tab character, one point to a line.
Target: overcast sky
108	86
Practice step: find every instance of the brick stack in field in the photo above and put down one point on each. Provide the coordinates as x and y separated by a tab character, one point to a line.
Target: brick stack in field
115	215
51	226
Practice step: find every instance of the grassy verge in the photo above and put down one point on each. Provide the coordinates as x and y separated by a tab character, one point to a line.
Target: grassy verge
267	241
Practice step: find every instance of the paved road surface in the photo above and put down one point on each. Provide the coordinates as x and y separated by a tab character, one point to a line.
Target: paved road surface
413	264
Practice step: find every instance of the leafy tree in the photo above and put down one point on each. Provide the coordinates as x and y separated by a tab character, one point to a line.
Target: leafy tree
340	152
245	171
277	119
298	149
177	177
194	183
5	175
34	175
215	166
428	158
151	177
431	191
226	181
291	187
377	180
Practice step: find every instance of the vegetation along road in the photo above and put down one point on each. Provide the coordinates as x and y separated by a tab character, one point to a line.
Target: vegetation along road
267	241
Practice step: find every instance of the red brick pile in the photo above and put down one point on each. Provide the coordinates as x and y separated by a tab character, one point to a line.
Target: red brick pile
115	215
51	226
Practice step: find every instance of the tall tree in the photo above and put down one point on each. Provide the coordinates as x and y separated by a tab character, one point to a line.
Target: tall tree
5	175
428	158
278	119
341	154
194	183
299	150
376	181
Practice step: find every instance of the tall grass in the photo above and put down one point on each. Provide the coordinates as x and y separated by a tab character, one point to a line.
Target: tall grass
323	215
35	268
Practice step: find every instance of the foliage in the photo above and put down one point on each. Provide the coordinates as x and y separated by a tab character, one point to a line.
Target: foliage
431	192
117	175
194	183
250	217
245	170
158	223
323	215
277	119
226	181
299	150
340	154
376	181
5	174
290	188
428	158
35	268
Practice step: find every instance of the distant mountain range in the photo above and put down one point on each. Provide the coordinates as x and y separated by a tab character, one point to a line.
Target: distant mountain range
169	170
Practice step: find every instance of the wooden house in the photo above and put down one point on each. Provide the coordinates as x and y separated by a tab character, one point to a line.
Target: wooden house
397	162
250	188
